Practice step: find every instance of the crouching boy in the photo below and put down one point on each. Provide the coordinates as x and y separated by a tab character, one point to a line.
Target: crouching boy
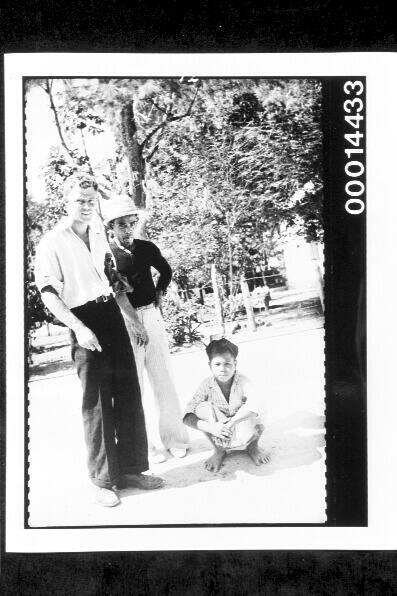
225	408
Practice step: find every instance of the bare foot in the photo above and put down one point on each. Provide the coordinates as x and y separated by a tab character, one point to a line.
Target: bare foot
257	455
214	463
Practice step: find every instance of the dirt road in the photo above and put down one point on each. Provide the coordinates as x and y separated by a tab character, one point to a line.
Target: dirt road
290	489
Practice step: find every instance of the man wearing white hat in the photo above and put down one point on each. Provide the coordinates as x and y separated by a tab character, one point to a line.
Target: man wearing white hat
134	258
71	273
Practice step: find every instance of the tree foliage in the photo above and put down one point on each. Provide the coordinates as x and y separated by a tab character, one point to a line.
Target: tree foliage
233	163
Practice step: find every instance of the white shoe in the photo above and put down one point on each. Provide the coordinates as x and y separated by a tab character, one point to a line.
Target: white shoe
178	451
156	456
106	497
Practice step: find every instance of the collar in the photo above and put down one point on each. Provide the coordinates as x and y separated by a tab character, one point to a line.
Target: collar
93	228
214	384
117	243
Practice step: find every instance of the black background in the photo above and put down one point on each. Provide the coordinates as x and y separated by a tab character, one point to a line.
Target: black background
274	26
153	25
197	573
345	322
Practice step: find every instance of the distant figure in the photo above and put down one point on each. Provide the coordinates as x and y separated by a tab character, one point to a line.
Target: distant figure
134	259
267	296
225	407
262	296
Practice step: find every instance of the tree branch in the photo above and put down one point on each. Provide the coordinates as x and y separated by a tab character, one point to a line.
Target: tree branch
169	118
104	195
156	105
86	154
48	90
101	189
107	177
156	129
149	156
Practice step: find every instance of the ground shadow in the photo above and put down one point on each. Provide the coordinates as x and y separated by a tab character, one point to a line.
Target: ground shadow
289	442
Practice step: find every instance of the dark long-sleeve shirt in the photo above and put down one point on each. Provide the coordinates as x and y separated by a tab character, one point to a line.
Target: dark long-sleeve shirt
135	264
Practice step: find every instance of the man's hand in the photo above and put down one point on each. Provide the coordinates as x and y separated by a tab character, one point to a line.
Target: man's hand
87	339
140	333
121	283
219	429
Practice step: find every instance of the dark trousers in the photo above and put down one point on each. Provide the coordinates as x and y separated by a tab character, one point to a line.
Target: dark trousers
113	418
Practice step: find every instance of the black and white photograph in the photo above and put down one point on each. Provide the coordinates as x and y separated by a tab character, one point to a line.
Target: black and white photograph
192	356
175	301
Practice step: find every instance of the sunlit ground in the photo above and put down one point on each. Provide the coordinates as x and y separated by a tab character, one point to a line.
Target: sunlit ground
290	489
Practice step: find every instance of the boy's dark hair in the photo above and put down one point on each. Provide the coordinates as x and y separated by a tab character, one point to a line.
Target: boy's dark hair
220	346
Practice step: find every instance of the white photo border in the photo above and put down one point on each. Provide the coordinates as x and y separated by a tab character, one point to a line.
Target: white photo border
379	69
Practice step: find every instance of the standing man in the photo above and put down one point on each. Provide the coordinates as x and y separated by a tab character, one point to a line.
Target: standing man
134	259
70	273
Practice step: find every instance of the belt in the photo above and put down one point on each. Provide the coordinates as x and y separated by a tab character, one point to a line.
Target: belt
152	305
103	298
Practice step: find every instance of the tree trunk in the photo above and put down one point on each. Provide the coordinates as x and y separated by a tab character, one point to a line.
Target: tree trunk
230	249
217	299
133	152
247	304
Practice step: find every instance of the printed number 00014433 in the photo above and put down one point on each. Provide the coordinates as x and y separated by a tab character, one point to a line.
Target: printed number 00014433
354	168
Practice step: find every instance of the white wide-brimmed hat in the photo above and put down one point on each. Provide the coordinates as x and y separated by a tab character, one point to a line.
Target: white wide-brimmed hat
118	206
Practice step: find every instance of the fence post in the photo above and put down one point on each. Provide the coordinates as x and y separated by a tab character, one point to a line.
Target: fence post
174	294
247	304
217	299
319	275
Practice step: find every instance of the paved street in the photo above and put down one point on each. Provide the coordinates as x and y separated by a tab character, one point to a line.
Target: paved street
290	489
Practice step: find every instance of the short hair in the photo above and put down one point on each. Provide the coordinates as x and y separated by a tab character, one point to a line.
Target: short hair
220	346
80	179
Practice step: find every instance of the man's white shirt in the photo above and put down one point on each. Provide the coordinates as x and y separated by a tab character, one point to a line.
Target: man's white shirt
64	262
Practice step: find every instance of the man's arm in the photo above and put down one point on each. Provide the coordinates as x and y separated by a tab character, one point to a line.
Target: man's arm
49	280
164	269
85	337
121	287
129	313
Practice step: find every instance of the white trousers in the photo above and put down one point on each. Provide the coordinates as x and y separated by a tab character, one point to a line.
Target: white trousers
163	413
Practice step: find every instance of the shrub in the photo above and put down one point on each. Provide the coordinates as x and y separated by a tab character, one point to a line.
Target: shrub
37	312
182	321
